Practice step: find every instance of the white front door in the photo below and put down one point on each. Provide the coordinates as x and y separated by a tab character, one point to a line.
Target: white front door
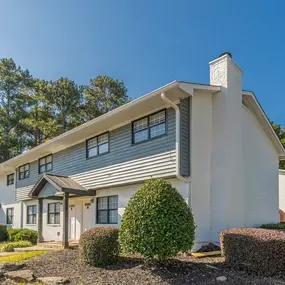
75	220
87	217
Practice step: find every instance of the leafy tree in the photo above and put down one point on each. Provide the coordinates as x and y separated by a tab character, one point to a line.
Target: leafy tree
13	83
281	135
157	222
103	95
40	119
65	98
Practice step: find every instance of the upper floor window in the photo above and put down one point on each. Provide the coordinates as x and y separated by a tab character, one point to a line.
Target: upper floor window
32	214
97	145
10	216
10	179
149	127
45	163
107	210
24	171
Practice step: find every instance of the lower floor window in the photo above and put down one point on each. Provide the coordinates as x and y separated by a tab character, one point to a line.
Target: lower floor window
32	214
10	216
54	213
107	210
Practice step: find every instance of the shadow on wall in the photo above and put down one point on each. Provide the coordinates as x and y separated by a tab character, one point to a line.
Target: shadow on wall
281	216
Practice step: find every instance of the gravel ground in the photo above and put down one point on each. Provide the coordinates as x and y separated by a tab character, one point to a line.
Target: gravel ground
180	271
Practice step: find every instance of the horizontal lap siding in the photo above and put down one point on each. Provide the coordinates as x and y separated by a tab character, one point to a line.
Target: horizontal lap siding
73	162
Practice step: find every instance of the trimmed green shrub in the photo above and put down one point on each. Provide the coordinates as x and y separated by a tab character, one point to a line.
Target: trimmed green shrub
157	222
3	233
26	235
5	247
12	232
280	226
261	251
99	246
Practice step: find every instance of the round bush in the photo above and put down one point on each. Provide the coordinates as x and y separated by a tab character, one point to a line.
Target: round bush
157	222
26	235
99	246
7	248
12	233
3	233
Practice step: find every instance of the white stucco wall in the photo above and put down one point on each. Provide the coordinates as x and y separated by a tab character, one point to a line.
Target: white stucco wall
126	192
84	218
8	200
227	189
260	163
282	194
201	147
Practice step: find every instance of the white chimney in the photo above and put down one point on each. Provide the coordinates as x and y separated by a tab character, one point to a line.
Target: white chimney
227	156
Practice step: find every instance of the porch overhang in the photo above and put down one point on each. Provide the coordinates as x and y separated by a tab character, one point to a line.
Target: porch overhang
62	184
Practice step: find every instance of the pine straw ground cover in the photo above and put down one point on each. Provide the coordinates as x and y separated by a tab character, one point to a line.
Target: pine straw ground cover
182	270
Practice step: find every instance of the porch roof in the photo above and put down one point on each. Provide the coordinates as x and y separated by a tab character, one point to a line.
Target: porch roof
61	184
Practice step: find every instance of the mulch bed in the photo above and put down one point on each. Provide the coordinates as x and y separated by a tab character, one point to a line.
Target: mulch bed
180	271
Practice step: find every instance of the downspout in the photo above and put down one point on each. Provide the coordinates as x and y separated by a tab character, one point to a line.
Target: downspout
177	140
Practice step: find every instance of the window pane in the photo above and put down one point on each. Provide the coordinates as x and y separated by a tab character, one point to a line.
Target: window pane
140	125
102	217
57	219
22	168
113	202
26	173
51	219
42	161
92	152
48	158
51	208
27	167
103	148
103	139
157	118
113	216
141	136
57	207
30	210
42	168
92	142
103	203
157	130
49	166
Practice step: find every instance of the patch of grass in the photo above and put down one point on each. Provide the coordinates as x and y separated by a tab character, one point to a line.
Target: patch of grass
9	246
21	256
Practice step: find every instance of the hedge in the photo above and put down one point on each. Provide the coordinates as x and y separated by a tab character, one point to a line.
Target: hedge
99	246
12	232
157	222
3	233
260	250
9	246
23	235
280	226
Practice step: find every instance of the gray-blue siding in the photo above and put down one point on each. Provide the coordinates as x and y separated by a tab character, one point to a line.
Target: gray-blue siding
73	160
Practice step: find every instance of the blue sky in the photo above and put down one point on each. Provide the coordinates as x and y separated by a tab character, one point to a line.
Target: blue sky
149	43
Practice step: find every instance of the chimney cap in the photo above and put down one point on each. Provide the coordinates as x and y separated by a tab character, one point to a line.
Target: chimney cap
228	53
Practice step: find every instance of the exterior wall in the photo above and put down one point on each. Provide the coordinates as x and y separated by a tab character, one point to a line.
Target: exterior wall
8	200
201	147
24	216
78	209
17	214
124	163
227	186
260	163
282	195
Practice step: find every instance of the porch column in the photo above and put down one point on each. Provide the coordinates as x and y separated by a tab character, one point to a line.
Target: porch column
40	220
65	220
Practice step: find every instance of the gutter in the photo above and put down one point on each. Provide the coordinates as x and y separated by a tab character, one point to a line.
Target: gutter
177	140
